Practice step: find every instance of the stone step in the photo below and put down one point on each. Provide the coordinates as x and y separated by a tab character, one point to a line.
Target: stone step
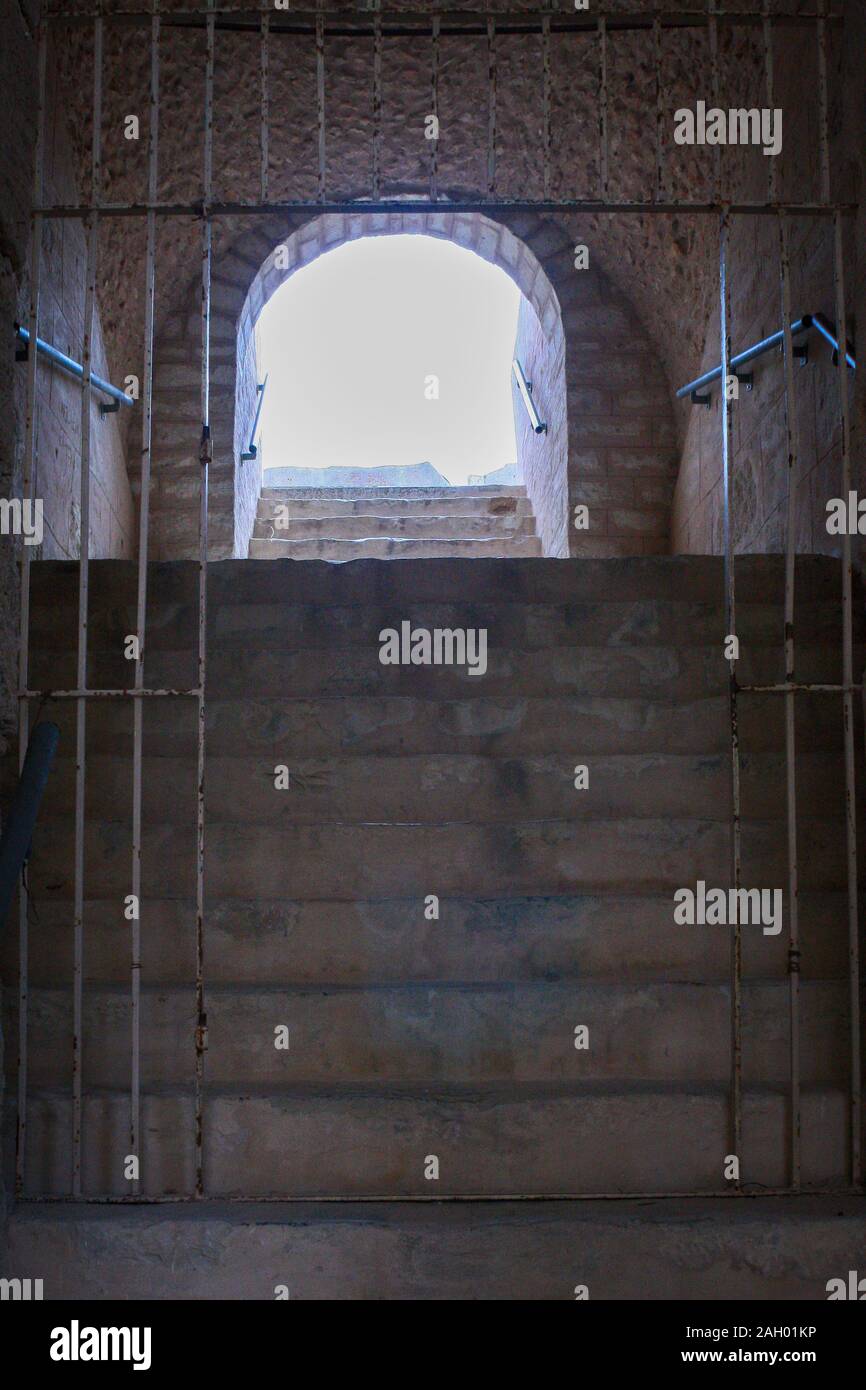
375	1143
366	525
681	578
510	939
509	627
394	494
504	726
388	548
448	787
422	1036
654	674
700	1248
459	858
308	508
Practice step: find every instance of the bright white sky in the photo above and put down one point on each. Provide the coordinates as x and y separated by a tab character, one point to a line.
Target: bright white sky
349	340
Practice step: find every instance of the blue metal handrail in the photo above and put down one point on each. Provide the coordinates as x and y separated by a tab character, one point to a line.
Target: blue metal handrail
252	451
808	322
74	368
525	388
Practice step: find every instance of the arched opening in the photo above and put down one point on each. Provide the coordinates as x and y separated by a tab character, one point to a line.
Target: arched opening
390	362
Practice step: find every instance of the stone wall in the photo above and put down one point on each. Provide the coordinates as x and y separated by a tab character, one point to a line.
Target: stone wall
610	449
61	322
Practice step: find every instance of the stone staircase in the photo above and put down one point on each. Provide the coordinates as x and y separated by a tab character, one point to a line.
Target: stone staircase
388	523
411	1034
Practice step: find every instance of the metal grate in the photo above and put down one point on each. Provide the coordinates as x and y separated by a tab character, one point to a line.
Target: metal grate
320	25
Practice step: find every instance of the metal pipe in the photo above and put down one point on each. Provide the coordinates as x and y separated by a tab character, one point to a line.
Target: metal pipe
801	325
264	84
320	100
491	107
434	101
205	457
623	206
28	493
603	173
525	388
730	631
793	451
252	451
660	108
69	364
141	604
83	610
23	810
376	172
545	104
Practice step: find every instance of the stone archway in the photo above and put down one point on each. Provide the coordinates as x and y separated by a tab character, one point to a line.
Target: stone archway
610	440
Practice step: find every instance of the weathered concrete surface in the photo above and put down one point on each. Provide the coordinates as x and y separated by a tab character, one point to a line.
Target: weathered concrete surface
755	1248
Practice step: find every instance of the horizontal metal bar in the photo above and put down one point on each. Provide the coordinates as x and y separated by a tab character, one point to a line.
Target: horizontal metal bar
442	204
515	20
803	325
74	368
252	450
99	694
729	1193
784	687
525	389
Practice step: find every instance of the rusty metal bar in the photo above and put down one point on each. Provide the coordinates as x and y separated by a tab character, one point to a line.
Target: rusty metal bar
603	172
28	492
205	457
141	598
376	180
434	101
793	455
730	631
624	207
83	603
265	95
713	35
117	694
855	1097
660	110
793	451
545	104
320	100
491	107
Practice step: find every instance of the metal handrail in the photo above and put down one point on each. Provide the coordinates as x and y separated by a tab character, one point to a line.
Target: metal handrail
252	451
74	368
818	322
525	388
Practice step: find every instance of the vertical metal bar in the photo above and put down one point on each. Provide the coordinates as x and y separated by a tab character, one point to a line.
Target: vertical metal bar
792	435
28	493
660	110
848	707
793	452
491	106
377	103
205	456
730	625
434	100
264	78
141	610
603	176
855	1100
320	99
713	30
823	119
545	111
83	602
